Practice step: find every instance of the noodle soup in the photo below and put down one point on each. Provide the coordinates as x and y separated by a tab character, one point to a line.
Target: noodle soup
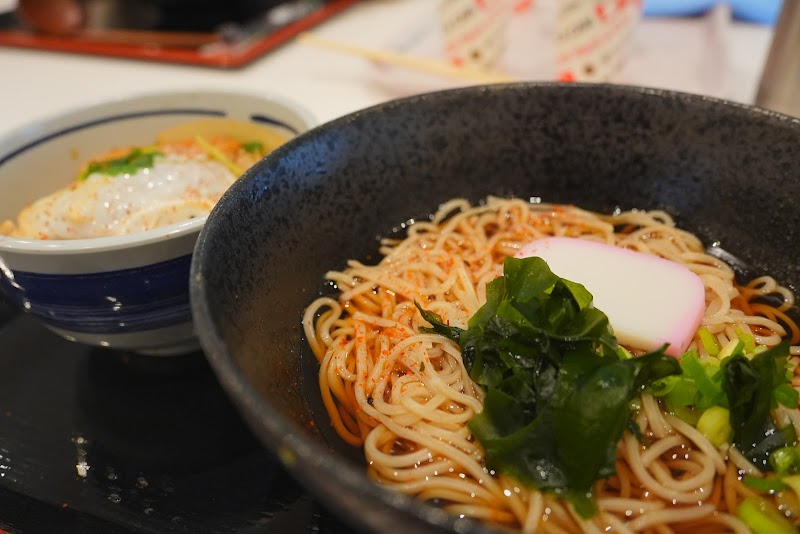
406	373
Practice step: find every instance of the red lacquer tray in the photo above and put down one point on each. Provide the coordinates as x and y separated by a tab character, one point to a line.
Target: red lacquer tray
212	48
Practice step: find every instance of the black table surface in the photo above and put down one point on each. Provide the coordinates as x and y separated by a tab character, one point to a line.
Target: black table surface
93	440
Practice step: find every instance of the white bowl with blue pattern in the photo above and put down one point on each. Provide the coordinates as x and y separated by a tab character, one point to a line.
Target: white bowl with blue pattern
128	292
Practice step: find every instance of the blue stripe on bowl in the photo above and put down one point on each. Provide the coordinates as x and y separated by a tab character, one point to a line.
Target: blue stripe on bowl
114	302
269	120
134	115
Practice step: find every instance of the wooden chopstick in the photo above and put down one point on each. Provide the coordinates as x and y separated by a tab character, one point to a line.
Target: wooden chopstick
403	60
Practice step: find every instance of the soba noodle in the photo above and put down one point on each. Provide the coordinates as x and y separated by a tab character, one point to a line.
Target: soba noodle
406	397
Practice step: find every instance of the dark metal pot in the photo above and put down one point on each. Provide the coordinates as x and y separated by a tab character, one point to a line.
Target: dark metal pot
727	172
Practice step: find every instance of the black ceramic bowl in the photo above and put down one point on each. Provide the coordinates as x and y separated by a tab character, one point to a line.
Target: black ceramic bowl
727	172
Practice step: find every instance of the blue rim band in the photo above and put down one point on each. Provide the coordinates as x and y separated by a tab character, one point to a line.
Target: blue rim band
115	302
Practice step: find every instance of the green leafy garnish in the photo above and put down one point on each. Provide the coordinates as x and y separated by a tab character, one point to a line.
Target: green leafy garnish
707	378
136	159
698	388
253	147
557	391
750	386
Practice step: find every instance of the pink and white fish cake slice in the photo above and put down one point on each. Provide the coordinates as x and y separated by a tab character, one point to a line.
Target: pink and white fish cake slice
649	300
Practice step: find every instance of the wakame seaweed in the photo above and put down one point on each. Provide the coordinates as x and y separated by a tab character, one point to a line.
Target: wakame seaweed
557	392
750	386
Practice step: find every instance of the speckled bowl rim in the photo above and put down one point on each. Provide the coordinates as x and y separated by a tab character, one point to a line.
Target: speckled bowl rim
270	425
162	233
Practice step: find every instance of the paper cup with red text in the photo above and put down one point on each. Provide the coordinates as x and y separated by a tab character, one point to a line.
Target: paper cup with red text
592	37
475	32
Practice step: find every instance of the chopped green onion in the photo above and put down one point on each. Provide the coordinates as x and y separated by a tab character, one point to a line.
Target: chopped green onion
138	158
762	518
701	373
663	387
786	395
734	346
715	425
764	484
709	341
253	147
783	460
682	393
623	353
748	340
684	412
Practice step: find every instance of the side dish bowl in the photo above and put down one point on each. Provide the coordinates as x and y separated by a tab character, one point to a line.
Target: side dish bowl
128	292
727	172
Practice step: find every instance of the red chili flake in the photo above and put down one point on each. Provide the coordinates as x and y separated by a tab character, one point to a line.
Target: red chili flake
600	10
522	5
